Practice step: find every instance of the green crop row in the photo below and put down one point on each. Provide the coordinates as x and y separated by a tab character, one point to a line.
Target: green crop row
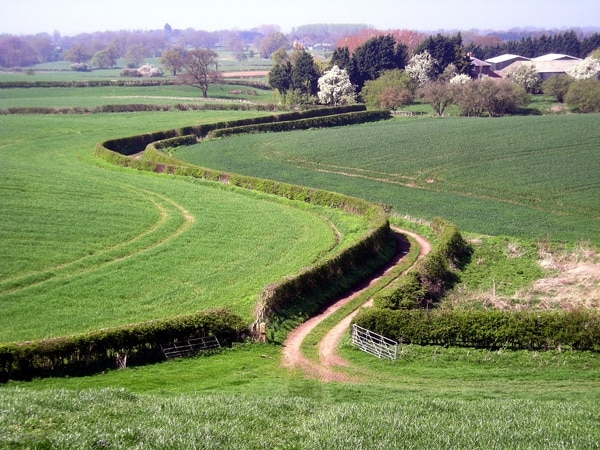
99	350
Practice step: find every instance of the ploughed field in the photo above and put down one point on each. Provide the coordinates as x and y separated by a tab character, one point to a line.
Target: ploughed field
534	177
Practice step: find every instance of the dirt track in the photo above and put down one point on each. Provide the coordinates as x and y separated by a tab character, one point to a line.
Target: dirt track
292	356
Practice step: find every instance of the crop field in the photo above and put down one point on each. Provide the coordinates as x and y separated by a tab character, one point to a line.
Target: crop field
83	245
532	176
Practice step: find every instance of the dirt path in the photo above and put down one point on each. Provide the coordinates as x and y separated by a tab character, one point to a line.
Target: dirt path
292	355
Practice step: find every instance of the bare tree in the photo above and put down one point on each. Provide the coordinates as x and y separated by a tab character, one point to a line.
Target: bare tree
201	69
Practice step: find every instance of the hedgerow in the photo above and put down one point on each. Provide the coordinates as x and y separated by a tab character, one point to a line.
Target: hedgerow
428	281
493	329
98	350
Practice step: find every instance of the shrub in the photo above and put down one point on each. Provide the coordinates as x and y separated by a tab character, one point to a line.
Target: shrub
99	350
584	96
408	293
540	330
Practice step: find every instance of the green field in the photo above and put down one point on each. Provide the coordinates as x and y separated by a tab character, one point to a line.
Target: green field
533	176
84	245
243	398
118	246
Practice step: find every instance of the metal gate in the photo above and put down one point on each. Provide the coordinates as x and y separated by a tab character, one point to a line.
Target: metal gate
373	343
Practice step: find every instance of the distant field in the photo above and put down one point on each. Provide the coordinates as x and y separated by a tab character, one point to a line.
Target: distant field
532	176
90	97
84	246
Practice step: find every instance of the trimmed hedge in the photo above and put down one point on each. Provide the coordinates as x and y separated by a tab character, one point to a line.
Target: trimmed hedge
303	124
530	330
98	350
428	281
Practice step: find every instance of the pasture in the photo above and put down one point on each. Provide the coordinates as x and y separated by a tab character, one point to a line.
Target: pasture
534	177
115	246
243	398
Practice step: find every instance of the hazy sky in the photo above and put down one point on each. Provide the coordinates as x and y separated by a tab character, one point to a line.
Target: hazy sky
71	17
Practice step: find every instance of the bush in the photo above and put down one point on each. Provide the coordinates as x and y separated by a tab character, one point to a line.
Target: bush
539	330
584	96
99	350
408	293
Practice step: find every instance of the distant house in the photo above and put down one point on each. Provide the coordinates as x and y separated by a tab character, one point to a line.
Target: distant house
500	62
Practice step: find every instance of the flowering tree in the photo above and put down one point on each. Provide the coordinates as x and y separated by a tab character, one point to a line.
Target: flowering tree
421	68
335	87
524	75
588	68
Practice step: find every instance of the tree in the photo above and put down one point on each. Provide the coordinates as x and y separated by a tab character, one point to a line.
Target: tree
199	70
392	89
335	87
341	58
558	86
438	94
271	43
584	96
280	77
375	56
78	53
446	50
103	60
304	76
135	55
496	97
421	68
588	68
526	76
172	59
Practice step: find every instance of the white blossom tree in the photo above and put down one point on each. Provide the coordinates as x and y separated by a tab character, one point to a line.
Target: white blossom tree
588	68
421	68
524	75
335	87
461	78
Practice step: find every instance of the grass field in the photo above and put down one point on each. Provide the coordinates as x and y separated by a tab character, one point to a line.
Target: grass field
62	248
243	398
532	176
114	247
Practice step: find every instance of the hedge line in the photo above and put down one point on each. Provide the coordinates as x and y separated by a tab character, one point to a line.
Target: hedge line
119	82
140	108
303	124
98	350
84	84
135	144
427	282
531	330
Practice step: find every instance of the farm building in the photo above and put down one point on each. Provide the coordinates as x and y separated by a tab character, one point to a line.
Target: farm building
555	57
481	68
500	62
545	65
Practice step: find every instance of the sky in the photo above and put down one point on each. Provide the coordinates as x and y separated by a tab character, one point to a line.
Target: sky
71	17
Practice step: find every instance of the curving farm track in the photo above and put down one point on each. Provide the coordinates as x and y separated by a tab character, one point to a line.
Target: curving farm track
328	359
